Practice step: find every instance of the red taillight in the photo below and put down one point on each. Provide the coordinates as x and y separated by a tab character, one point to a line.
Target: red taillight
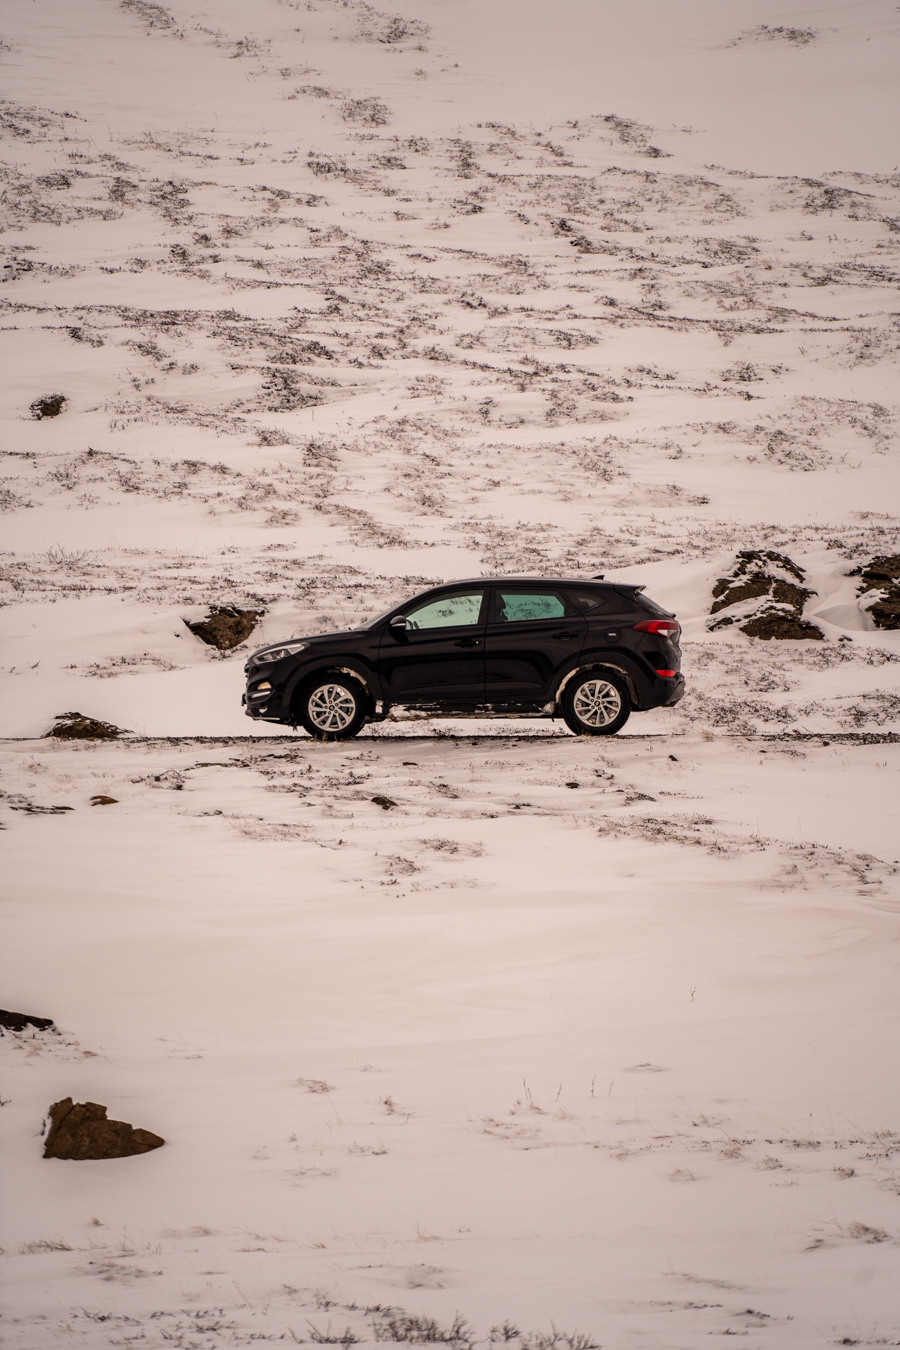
667	674
667	628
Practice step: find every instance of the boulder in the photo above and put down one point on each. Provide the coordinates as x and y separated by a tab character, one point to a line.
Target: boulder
80	1130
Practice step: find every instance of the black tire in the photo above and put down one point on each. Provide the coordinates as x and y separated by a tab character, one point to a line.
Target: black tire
332	708
596	704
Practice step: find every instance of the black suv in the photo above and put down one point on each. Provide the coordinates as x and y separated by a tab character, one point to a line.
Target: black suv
515	646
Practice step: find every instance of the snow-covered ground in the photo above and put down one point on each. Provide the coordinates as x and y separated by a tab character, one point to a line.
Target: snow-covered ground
581	1043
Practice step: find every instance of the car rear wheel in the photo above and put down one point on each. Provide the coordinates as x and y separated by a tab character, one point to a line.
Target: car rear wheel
332	708
596	704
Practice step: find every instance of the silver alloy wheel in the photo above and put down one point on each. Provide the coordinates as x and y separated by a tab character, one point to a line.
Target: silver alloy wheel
597	703
331	707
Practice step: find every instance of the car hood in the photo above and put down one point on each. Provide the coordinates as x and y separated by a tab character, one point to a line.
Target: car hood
307	638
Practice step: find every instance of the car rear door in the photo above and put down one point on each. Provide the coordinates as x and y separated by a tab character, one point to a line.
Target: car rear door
532	631
439	659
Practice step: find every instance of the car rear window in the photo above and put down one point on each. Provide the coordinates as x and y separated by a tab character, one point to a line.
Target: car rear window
652	607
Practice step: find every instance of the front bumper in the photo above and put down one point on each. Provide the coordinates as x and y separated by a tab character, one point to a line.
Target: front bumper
262	704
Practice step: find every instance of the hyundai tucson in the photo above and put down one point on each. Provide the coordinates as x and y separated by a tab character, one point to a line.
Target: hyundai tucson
588	650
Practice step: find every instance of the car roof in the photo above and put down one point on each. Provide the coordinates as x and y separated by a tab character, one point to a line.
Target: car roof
533	576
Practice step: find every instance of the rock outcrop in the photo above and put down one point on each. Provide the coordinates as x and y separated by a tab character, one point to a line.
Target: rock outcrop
14	1021
764	595
80	1130
879	591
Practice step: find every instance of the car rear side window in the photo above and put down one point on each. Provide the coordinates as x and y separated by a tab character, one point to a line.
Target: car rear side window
589	602
526	604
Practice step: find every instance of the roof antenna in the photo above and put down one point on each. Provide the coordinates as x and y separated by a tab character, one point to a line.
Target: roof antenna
598	577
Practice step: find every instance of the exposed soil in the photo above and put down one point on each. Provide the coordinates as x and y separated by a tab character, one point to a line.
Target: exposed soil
80	1130
225	626
14	1021
74	726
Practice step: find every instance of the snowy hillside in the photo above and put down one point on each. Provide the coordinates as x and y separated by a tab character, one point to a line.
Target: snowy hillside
308	306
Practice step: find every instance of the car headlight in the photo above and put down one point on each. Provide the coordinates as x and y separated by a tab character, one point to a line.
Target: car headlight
273	654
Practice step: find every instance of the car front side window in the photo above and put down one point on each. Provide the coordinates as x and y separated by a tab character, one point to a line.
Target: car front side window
448	611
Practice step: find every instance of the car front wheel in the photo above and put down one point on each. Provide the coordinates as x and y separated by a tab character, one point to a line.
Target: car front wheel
595	704
333	708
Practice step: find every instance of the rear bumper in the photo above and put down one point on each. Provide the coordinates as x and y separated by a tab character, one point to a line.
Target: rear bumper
676	693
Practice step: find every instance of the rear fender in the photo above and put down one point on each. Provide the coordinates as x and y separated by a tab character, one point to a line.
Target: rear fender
614	667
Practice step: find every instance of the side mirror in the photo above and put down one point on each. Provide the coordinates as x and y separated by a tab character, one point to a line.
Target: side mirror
397	625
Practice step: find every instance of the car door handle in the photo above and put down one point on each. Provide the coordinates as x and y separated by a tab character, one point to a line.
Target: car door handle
468	642
568	633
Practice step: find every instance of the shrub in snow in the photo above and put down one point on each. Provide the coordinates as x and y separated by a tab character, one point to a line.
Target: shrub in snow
74	726
764	596
51	405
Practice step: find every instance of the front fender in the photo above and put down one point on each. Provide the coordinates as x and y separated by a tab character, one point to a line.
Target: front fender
357	669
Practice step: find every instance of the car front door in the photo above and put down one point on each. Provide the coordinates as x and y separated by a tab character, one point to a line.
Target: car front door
531	632
439	656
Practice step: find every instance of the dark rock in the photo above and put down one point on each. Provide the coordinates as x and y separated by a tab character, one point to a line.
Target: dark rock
774	624
779	613
14	1021
102	800
80	1130
882	574
738	589
384	802
225	626
755	559
74	726
49	406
